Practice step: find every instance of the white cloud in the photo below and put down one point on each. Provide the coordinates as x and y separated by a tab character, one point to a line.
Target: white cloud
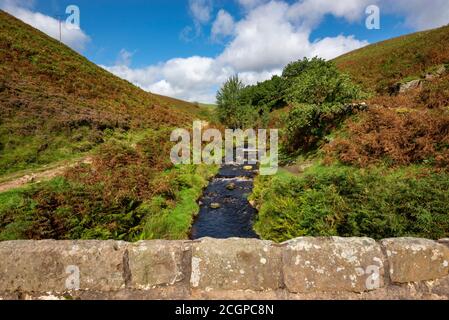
223	25
311	12
420	14
262	43
268	38
329	48
201	10
250	4
270	35
21	9
252	77
124	58
194	79
17	3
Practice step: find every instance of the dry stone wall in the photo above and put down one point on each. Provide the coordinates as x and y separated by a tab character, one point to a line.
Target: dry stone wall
303	268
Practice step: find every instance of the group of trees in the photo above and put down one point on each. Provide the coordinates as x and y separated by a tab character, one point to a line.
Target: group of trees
241	106
315	89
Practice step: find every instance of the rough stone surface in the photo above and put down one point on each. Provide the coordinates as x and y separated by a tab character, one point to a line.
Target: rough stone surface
444	241
333	264
236	264
158	263
412	260
44	266
414	84
304	268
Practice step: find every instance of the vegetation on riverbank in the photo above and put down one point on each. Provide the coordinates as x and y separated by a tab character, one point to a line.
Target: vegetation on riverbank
340	200
130	192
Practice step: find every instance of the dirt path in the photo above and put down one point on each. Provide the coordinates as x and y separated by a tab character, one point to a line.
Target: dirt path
40	176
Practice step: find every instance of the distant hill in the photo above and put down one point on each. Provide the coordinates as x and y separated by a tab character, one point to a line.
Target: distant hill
379	66
54	103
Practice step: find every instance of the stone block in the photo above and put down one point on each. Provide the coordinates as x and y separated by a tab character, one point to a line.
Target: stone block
412	260
236	264
54	266
333	265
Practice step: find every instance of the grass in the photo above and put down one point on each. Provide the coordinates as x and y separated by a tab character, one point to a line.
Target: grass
175	221
14	201
385	169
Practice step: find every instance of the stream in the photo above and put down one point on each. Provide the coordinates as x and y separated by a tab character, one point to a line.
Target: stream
224	209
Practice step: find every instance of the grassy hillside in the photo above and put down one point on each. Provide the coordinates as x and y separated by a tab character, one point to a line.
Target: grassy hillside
381	65
56	104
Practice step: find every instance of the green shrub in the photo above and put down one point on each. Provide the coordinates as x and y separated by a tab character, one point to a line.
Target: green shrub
307	124
320	95
320	82
344	201
267	95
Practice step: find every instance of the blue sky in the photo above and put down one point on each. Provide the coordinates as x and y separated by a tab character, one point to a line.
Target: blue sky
187	48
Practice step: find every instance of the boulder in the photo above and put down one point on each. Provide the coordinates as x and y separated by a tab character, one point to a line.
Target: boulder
231	186
414	84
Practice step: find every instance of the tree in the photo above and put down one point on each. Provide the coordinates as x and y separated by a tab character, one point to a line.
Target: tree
228	101
319	94
320	82
234	105
295	69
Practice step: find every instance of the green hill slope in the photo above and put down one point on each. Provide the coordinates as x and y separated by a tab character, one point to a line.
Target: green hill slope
55	104
379	66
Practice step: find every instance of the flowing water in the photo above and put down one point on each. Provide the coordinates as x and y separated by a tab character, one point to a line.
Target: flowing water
224	209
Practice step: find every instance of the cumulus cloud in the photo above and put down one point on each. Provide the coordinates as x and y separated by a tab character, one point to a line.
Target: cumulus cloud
201	10
194	79
417	14
250	4
268	36
223	25
22	9
329	48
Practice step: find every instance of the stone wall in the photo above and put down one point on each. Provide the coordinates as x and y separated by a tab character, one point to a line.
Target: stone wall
303	268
